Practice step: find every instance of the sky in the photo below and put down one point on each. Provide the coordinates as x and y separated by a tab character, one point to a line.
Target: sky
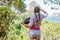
42	5
37	1
40	2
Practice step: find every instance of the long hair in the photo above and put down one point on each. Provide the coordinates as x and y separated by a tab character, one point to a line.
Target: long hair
37	10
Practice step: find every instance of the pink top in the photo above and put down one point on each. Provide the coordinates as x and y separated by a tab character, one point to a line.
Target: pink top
33	20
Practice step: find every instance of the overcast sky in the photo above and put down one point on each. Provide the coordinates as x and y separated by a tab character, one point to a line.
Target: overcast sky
37	1
42	5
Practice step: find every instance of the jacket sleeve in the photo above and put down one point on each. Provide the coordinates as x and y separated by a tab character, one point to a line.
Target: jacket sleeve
31	21
44	15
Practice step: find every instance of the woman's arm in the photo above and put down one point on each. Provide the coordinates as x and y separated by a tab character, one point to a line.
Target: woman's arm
26	25
44	11
31	22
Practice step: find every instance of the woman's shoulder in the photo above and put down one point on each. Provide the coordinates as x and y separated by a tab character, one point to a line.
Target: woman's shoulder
32	16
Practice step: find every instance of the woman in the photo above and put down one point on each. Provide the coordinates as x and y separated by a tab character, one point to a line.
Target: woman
35	23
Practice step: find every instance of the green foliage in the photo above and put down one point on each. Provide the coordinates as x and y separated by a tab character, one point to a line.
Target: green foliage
6	17
18	26
19	4
49	30
10	24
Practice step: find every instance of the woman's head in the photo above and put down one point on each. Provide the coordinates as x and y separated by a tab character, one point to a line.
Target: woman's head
37	9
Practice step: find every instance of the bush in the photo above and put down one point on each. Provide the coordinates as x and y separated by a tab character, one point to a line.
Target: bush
6	17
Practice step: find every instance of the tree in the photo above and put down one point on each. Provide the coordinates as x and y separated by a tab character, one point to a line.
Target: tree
19	4
6	17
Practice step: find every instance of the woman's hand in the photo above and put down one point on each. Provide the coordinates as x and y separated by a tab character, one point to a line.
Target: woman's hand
26	25
44	12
